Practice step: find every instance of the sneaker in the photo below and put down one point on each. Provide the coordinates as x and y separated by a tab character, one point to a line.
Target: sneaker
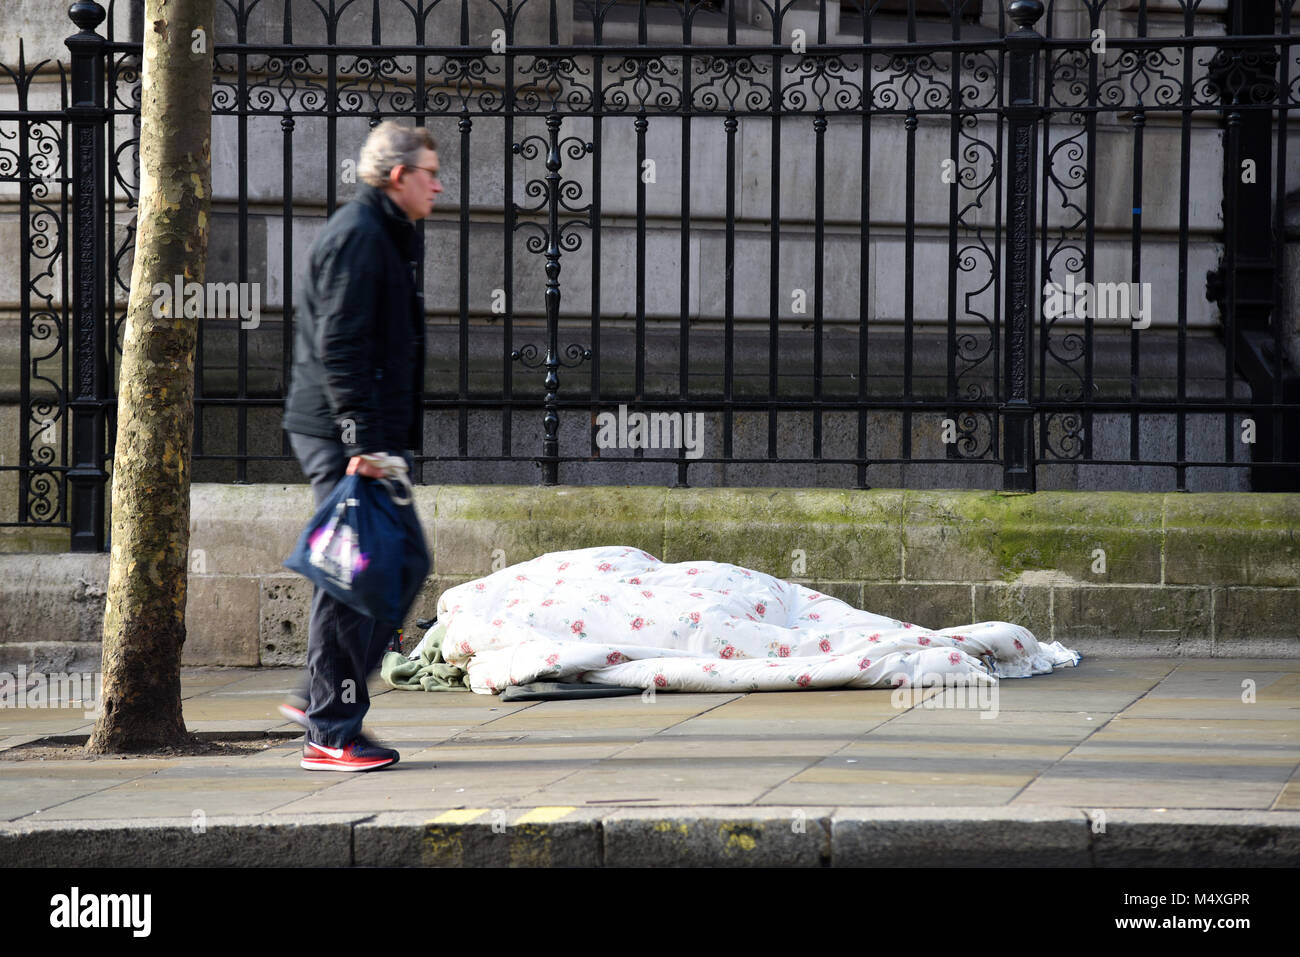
294	713
357	756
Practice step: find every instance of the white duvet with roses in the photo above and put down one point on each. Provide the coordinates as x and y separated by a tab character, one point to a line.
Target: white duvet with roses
616	615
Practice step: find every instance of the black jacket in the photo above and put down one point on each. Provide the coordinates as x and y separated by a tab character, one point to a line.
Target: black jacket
358	351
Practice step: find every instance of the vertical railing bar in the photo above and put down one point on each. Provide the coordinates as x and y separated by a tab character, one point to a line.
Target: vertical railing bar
65	273
1090	244
421	117
1184	217
597	158
1281	441
729	293
286	220
1233	162
508	241
106	225
909	271
551	416
641	125
1135	353
465	127
199	449
331	124
864	247
241	334
954	200
1043	175
819	247
25	175
684	289
819	274
774	250
999	421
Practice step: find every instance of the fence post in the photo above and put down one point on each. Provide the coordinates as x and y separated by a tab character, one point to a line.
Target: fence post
87	478
1023	113
1245	283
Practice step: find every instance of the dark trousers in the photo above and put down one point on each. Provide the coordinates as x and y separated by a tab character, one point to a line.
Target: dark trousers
343	646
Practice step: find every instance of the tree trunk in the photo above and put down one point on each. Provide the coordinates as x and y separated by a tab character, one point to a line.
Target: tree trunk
144	618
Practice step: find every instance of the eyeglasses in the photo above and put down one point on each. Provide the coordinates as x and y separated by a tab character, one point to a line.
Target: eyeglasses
431	172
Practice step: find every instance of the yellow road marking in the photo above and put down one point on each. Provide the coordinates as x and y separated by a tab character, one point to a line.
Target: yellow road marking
459	815
544	815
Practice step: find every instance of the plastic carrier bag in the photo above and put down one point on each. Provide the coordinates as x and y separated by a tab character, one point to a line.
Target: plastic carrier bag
366	548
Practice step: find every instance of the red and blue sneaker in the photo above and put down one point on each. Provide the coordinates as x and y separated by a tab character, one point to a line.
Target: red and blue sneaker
291	710
360	755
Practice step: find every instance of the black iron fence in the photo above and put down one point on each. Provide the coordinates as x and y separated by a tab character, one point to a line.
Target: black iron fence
862	243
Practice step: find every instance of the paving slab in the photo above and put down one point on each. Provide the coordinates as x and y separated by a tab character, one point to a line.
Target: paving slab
891	793
182	790
1243	731
1193	709
1150	791
614	781
26	790
1289	799
1082	722
1239	664
672	781
40	721
992	734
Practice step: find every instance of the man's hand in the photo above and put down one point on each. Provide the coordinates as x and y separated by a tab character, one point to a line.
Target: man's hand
363	464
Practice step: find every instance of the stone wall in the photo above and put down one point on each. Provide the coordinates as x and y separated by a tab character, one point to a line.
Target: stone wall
1110	574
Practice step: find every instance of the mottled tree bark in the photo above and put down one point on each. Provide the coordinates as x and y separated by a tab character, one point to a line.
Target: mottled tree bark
144	618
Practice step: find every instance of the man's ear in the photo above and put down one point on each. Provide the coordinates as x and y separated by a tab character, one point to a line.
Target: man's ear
395	176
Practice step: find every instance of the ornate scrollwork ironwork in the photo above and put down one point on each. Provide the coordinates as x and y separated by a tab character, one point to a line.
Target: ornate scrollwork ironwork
460	83
976	264
821	83
530	357
910	83
976	437
555	237
378	85
733	83
32	159
1065	176
1066	435
643	82
549	83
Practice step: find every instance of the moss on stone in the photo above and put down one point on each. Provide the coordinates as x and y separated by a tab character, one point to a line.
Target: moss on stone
994	536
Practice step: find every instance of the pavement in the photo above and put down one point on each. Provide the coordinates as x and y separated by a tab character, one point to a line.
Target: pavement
1119	762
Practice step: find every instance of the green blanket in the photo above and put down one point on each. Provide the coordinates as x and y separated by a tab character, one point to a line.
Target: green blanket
429	672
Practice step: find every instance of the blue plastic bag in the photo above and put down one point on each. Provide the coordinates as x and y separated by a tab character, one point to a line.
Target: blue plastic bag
365	549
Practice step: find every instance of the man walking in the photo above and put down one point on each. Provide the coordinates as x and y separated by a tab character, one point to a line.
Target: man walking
356	391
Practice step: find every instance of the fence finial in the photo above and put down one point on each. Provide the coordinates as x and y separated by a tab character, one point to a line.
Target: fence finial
1025	12
87	14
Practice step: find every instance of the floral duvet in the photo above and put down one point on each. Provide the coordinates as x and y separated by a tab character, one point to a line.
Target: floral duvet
617	615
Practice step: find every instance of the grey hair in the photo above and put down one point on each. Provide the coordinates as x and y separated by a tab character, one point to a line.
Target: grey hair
391	144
